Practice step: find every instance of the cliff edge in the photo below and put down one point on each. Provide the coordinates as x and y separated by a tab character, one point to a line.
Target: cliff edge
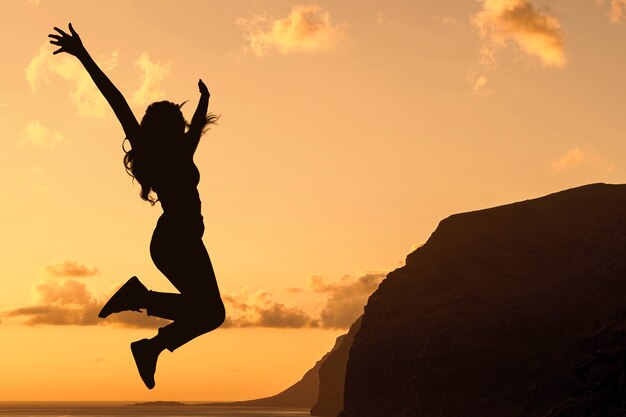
516	310
332	374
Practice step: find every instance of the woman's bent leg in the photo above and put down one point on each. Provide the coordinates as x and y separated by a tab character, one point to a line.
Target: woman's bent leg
165	305
199	308
200	320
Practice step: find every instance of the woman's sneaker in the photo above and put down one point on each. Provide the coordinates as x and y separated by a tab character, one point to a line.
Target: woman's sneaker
146	360
131	296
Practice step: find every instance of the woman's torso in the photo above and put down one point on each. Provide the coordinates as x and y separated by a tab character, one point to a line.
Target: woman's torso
176	185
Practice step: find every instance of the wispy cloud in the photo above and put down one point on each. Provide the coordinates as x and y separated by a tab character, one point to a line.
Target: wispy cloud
69	302
478	82
447	20
59	303
342	303
305	29
85	96
382	18
70	268
345	299
153	74
36	134
616	14
535	32
577	157
63	292
39	175
44	67
259	309
617	10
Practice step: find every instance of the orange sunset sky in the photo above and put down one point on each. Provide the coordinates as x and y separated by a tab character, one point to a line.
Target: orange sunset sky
348	130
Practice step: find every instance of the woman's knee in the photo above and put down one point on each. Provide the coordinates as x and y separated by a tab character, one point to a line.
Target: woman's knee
211	316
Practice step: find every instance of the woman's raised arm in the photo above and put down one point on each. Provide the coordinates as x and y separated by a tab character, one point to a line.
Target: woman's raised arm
199	119
73	45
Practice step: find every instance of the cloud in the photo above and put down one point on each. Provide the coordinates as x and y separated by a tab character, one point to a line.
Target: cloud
294	290
63	292
70	269
582	157
536	33
616	11
52	315
85	96
153	74
245	309
306	29
345	299
342	304
69	303
39	174
478	83
36	134
448	21
382	18
59	303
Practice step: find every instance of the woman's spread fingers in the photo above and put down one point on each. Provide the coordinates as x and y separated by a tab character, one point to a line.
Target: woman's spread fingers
55	42
60	31
57	37
57	51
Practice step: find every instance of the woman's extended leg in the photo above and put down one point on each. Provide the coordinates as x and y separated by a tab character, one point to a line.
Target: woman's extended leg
134	296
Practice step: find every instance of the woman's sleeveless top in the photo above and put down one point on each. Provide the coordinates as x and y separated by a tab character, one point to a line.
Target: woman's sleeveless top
176	184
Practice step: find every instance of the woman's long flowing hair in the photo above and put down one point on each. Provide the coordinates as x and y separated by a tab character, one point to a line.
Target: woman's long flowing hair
162	126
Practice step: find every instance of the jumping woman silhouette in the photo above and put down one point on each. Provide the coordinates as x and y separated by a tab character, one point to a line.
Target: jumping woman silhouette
161	160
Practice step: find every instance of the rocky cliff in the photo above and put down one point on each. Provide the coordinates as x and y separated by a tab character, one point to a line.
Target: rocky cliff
516	310
601	375
332	374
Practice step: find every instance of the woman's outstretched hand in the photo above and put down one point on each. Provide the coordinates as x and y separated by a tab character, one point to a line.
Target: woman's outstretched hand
203	89
67	43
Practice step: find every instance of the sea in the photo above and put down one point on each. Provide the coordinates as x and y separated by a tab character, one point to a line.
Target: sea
127	409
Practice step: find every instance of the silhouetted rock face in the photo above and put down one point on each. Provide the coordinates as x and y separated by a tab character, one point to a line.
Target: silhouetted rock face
601	372
491	317
304	393
332	375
